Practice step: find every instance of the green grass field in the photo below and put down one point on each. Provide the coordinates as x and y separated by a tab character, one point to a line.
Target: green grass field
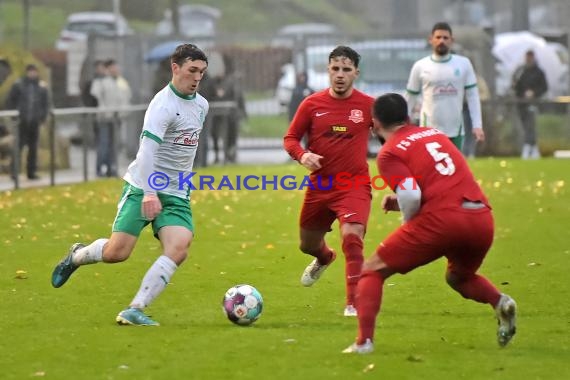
425	330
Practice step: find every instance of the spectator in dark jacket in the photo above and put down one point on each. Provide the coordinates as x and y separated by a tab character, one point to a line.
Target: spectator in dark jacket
529	84
29	96
87	98
300	92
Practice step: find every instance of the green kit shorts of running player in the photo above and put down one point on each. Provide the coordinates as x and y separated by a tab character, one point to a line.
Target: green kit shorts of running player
175	212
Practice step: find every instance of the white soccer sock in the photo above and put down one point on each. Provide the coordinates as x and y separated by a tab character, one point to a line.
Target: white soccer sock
91	254
154	281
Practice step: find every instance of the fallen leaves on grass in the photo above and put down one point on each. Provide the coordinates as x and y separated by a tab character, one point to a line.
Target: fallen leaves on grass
21	274
415	359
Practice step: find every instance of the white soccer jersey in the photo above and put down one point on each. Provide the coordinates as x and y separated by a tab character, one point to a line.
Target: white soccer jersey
174	121
442	85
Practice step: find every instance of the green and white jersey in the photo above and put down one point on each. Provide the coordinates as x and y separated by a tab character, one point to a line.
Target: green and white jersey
174	121
442	84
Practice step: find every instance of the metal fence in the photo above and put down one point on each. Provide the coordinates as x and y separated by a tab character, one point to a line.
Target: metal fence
501	124
65	125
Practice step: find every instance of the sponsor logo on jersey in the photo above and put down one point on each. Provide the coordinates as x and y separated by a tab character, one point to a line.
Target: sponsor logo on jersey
339	128
444	89
338	132
187	139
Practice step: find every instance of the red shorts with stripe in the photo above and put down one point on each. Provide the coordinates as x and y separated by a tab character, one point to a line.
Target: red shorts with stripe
462	236
321	208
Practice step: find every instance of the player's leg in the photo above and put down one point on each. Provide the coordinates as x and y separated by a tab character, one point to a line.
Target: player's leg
313	243
410	246
113	250
368	301
475	228
470	236
174	228
352	210
315	221
352	235
126	228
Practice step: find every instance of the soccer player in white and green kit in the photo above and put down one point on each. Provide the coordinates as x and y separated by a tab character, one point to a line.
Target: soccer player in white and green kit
172	125
444	79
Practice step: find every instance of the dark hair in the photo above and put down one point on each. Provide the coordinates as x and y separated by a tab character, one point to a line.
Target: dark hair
345	51
390	109
109	62
441	26
31	67
186	52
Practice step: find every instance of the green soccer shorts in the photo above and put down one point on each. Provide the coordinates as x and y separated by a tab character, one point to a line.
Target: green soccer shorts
458	141
175	212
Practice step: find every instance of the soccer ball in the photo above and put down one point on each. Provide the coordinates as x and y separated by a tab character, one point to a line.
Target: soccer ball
242	304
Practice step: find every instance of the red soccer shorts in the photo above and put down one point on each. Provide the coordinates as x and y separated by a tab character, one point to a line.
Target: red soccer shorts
463	236
321	208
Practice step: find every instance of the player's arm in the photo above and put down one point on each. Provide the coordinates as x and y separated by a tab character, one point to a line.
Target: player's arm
292	140
407	192
156	122
409	197
151	205
413	89
474	103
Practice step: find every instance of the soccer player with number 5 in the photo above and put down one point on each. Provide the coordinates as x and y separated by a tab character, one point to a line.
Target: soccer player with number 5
445	213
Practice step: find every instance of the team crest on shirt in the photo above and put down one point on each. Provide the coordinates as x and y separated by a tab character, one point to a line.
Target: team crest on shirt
187	139
356	116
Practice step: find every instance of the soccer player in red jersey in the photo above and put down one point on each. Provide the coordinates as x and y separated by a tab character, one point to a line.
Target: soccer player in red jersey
445	213
337	122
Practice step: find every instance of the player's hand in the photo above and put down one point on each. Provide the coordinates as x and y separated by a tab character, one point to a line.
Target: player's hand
311	161
151	206
479	134
390	203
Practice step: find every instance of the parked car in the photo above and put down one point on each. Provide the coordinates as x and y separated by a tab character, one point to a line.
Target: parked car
195	21
307	33
80	25
385	65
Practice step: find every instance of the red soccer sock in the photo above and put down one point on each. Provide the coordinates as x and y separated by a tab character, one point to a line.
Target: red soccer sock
368	301
326	255
478	288
352	247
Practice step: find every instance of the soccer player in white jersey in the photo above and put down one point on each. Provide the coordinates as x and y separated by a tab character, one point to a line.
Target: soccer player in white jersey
172	125
443	79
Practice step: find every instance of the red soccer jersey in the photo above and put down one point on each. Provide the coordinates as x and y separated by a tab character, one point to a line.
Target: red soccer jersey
427	155
337	129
